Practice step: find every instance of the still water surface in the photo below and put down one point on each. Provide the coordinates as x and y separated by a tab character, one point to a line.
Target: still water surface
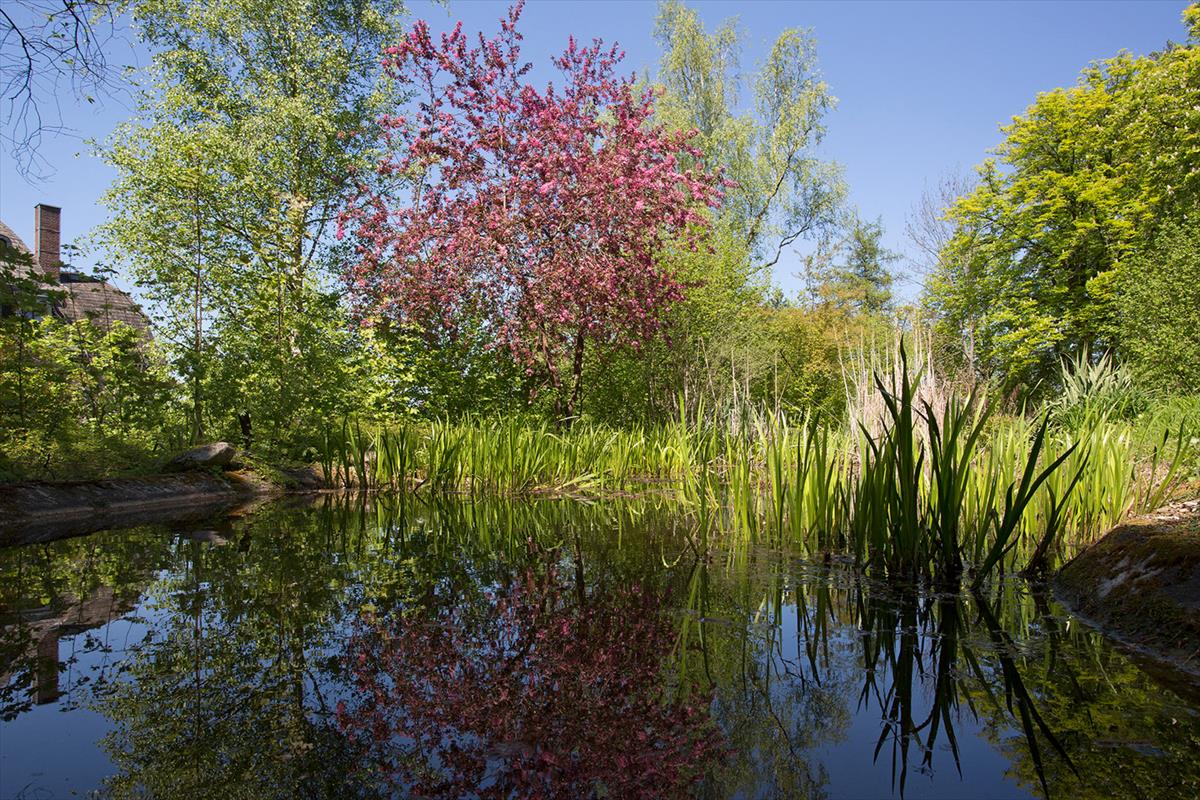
552	648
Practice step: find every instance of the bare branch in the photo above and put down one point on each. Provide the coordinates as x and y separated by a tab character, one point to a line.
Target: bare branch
48	47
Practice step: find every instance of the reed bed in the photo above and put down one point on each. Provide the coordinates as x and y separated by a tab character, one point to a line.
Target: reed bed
924	489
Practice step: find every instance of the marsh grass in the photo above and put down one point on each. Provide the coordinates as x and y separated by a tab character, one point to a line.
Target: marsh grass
933	484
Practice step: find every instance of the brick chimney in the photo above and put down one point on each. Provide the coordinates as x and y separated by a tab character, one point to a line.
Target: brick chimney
47	236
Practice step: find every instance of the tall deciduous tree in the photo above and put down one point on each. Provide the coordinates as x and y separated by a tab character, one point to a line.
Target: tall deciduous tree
760	128
780	191
229	180
1080	186
541	212
48	48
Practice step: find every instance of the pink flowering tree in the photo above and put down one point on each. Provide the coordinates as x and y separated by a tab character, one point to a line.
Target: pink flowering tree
541	212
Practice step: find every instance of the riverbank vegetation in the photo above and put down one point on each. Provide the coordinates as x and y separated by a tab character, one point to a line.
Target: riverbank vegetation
434	276
915	490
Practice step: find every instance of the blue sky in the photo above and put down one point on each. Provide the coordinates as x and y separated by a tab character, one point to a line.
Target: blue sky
922	87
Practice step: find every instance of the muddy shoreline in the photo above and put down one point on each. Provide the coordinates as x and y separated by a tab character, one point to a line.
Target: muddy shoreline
1140	586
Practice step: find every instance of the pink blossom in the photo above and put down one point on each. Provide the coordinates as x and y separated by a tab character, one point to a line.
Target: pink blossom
546	210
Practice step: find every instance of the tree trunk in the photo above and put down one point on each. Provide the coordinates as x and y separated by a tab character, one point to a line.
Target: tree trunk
197	335
576	379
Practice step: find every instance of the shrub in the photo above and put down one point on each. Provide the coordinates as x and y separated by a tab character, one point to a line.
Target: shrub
1159	304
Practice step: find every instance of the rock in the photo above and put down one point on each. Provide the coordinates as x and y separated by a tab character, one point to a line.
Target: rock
304	478
43	511
217	454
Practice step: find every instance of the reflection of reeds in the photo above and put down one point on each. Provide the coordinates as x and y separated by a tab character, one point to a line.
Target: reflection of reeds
930	484
923	661
915	641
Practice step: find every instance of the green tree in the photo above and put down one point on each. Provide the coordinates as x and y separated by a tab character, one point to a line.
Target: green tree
806	347
26	300
779	192
1081	184
75	397
1158	297
228	183
713	343
858	278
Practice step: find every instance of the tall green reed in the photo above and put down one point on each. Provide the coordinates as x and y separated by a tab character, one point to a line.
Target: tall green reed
927	483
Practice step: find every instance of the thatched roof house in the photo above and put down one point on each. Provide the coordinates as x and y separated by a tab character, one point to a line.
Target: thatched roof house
84	296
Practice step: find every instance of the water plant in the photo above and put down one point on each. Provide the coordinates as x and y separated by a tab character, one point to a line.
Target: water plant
913	486
1094	387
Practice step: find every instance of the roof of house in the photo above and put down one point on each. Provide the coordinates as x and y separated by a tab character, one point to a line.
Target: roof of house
17	244
11	235
85	296
97	300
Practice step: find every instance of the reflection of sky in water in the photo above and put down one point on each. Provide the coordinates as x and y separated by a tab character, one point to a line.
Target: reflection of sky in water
53	750
845	759
273	607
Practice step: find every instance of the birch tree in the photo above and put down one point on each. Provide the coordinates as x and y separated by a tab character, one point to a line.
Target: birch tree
229	179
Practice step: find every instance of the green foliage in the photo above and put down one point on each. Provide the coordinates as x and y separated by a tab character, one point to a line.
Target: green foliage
1158	298
923	491
79	400
781	191
76	398
1080	187
709	336
806	347
456	376
722	340
228	182
1096	388
855	274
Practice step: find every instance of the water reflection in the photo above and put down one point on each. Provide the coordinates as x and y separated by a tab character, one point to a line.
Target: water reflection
555	648
54	600
30	639
542	686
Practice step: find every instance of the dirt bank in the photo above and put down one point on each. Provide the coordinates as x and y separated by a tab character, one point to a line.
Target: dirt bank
39	511
1141	584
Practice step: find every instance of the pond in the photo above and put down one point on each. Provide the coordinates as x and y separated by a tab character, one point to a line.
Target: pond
556	648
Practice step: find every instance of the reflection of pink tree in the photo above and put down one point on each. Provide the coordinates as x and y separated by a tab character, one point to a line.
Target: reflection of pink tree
535	696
